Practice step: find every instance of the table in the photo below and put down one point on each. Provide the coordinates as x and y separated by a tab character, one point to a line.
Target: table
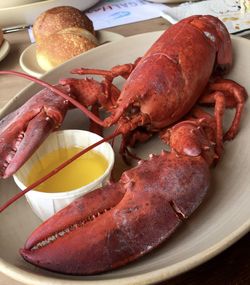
230	267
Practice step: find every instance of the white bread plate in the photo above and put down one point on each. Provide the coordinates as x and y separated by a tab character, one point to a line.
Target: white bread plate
4	49
221	220
28	61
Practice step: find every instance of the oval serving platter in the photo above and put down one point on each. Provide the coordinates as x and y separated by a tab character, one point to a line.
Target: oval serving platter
220	221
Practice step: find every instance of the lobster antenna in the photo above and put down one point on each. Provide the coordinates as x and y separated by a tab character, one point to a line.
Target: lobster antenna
57	169
58	92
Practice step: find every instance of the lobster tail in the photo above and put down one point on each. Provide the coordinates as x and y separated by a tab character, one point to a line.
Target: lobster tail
217	34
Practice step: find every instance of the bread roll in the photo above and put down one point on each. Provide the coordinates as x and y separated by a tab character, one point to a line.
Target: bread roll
59	18
63	45
62	33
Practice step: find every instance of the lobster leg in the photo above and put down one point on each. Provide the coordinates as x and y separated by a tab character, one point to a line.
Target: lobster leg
89	92
129	140
118	223
215	122
109	75
108	94
234	97
93	126
123	70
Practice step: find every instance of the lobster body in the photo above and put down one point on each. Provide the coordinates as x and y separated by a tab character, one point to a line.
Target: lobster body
118	223
173	74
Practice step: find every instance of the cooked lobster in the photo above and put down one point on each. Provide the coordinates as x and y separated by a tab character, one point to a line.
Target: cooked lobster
107	228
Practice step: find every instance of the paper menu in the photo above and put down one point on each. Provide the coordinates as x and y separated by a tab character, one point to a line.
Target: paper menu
227	10
110	13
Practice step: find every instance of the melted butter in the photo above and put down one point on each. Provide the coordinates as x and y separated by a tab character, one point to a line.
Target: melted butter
80	172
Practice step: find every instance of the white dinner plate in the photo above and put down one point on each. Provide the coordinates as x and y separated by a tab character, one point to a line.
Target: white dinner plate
26	14
29	63
4	49
221	220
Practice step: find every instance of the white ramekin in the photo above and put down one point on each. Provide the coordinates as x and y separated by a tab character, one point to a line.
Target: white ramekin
44	204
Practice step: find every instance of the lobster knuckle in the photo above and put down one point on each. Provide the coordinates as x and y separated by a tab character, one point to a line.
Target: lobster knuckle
54	114
185	139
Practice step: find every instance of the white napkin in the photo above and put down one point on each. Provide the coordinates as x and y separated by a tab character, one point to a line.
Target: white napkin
119	12
226	10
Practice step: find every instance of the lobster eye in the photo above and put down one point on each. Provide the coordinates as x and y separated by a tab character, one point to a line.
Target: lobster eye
134	110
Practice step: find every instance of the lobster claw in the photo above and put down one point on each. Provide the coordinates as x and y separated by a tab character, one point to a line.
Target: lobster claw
118	223
23	130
